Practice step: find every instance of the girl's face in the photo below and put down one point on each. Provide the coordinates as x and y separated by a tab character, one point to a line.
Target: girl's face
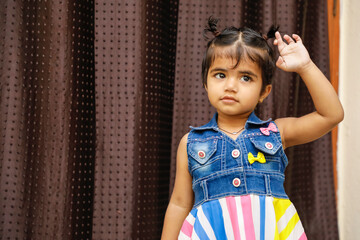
235	91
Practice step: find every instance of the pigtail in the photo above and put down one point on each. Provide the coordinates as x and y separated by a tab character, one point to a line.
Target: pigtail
212	27
271	33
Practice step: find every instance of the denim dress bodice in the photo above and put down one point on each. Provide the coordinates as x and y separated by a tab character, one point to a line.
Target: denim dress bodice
254	163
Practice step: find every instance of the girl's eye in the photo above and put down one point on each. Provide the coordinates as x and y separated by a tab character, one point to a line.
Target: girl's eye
246	78
219	75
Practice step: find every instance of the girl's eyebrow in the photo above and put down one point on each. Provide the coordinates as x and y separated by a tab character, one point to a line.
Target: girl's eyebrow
248	73
218	70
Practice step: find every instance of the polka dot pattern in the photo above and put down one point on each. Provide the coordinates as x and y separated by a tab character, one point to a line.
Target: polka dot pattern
135	64
47	119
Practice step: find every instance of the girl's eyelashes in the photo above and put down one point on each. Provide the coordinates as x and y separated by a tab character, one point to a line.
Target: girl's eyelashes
245	78
219	75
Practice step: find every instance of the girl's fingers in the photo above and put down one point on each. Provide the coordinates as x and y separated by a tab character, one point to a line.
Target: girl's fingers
288	39
296	37
278	40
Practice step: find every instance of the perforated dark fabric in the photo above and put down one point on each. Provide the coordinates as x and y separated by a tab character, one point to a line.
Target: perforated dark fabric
135	64
47	120
96	95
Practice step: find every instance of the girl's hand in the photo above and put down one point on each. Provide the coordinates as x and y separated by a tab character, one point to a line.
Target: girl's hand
293	55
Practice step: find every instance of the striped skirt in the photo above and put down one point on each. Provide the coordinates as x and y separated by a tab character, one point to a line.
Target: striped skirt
244	217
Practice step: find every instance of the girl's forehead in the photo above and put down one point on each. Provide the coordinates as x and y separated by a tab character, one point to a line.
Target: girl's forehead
234	55
229	62
224	60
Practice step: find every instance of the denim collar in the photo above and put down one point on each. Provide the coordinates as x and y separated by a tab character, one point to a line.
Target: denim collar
252	120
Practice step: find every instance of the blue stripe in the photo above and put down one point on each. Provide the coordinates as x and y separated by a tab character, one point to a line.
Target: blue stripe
199	230
214	214
262	217
194	212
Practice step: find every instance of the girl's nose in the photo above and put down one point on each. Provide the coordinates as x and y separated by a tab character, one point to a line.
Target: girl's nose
230	84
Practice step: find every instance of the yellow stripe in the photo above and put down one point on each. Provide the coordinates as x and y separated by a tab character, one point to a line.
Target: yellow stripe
289	227
276	237
280	206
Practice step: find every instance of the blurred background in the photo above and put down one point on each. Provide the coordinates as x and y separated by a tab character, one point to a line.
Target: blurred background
96	95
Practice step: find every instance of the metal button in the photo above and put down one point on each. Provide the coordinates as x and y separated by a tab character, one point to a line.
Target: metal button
236	182
235	153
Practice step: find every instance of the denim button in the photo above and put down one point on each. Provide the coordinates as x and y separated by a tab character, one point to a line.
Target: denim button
236	182
235	153
269	145
201	154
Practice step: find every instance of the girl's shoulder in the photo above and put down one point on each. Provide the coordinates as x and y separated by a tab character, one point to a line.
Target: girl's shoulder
183	140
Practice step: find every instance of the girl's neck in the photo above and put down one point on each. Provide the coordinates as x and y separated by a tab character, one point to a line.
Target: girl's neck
232	123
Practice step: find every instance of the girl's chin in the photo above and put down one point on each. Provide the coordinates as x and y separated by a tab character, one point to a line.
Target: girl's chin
234	113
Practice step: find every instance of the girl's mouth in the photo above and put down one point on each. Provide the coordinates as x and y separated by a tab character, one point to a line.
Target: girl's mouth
228	99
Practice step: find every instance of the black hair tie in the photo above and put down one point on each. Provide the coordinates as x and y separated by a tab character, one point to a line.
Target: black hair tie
271	33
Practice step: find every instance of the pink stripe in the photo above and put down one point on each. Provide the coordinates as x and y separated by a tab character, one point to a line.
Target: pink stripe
248	218
230	202
303	237
187	228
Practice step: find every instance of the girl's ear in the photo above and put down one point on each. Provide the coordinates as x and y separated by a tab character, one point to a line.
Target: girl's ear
265	93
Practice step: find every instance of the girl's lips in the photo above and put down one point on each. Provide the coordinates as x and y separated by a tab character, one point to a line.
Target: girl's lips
227	99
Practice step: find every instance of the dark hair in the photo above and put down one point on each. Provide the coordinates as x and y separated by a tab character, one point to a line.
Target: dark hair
247	44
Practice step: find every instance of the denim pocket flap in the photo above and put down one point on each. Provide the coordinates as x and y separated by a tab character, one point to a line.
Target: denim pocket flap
268	145
201	151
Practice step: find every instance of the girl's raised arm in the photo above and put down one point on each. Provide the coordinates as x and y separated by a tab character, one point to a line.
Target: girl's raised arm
182	198
329	112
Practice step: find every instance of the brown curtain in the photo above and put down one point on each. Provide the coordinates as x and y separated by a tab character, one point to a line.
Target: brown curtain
135	62
47	119
95	96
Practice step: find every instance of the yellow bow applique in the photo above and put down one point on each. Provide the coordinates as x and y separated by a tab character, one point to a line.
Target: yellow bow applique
260	158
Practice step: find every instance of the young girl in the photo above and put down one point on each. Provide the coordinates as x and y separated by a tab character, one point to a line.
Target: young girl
230	172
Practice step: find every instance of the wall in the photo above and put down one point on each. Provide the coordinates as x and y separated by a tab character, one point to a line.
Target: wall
348	142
